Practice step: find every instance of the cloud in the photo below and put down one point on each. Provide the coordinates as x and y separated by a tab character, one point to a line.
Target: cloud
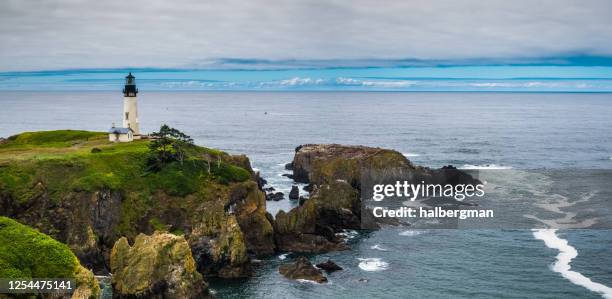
64	34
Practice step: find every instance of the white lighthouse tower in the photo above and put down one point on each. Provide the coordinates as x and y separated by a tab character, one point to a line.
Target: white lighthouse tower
130	106
131	128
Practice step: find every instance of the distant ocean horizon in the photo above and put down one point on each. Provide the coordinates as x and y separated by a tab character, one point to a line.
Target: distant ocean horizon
420	79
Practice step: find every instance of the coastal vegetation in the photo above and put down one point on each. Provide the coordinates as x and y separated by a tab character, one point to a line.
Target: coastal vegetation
26	253
65	161
167	145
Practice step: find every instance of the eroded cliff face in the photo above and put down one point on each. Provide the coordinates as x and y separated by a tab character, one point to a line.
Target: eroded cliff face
223	226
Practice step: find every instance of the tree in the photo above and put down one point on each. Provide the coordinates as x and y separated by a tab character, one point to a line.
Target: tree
168	145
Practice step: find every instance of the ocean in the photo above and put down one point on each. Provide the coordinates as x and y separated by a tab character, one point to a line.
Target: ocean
487	130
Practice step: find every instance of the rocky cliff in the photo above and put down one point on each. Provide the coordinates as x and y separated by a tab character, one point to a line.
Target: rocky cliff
334	173
87	193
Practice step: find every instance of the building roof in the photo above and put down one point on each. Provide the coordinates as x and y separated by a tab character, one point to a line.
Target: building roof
120	130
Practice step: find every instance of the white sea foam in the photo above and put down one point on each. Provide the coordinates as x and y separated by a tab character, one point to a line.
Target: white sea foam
307	281
484	166
372	264
564	258
410	233
283	256
411	155
348	234
379	247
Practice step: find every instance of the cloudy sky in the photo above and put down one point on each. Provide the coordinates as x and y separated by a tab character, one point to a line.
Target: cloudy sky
69	34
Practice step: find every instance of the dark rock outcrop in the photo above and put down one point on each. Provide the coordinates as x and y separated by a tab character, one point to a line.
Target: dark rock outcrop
275	196
302	269
294	193
329	266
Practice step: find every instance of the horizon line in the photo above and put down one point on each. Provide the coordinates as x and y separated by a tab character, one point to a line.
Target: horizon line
255	64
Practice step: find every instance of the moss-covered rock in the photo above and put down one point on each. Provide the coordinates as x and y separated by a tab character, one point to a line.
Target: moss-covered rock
27	253
324	163
156	266
88	286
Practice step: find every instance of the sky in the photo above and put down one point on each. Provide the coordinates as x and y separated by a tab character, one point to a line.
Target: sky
193	34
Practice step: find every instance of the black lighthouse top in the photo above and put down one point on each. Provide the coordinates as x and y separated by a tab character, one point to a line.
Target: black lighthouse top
130	89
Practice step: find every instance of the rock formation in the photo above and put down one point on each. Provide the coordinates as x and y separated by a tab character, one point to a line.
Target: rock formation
302	269
156	266
334	173
329	266
295	192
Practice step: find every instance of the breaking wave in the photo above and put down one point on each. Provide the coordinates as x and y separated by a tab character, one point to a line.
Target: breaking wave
562	266
372	264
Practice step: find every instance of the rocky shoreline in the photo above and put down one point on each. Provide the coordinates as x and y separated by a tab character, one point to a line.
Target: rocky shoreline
217	230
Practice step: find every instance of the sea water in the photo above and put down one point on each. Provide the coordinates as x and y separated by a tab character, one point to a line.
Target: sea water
471	130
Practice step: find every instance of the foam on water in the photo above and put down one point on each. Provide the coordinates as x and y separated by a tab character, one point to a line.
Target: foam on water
310	281
411	155
566	254
379	247
348	234
283	256
372	264
410	233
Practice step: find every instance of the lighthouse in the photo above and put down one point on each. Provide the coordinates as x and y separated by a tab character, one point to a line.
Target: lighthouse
131	128
130	106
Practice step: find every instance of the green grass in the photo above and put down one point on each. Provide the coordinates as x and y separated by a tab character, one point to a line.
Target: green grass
59	138
27	253
117	166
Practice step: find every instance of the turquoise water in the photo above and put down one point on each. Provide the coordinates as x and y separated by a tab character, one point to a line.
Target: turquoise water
515	130
455	78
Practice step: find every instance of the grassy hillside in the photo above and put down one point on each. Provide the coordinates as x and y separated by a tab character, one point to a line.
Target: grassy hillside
66	161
